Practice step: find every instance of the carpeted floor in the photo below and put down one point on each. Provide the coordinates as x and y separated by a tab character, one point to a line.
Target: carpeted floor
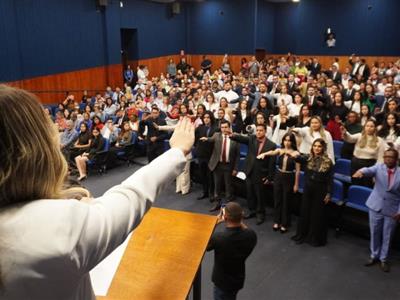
279	269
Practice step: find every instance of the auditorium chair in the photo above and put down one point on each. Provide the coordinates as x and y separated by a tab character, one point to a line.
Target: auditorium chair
337	149
99	162
357	196
343	170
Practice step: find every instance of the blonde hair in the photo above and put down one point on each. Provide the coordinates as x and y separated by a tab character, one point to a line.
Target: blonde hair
321	128
32	166
363	141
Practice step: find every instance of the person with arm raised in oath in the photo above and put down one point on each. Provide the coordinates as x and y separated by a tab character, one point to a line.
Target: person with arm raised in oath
49	240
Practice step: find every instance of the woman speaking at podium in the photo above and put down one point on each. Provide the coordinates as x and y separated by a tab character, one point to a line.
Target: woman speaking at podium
48	240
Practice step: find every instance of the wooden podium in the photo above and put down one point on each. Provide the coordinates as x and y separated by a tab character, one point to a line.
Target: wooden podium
163	257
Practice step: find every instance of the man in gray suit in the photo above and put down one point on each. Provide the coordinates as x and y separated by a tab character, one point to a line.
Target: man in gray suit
224	162
384	206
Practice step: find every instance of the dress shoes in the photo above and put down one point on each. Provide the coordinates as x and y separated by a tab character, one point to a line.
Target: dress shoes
216	207
283	230
295	238
385	267
202	197
249	215
370	262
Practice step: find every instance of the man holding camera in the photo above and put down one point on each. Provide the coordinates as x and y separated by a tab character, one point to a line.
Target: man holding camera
231	248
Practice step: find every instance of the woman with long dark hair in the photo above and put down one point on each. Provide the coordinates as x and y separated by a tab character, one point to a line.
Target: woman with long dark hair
286	181
312	225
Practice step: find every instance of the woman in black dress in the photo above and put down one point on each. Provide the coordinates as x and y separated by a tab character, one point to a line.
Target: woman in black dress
286	181
312	226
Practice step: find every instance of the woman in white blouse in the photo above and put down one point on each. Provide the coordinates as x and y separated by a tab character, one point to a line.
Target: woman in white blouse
211	104
310	134
368	150
49	240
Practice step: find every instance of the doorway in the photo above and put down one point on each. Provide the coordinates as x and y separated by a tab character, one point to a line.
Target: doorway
129	48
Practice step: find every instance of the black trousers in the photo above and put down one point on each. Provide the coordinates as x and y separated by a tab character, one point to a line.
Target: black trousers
153	151
283	197
312	224
206	178
223	175
255	192
358	163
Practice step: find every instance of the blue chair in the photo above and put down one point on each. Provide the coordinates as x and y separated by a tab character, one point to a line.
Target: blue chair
337	149
243	150
82	106
357	196
241	164
343	170
166	145
337	194
301	182
99	161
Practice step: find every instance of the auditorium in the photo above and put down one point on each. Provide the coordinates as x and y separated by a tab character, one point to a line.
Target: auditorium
199	149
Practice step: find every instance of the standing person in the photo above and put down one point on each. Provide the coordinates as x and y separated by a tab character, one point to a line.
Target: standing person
203	153
224	162
128	75
154	138
258	172
312	226
352	125
383	205
206	64
231	249
60	239
286	181
368	150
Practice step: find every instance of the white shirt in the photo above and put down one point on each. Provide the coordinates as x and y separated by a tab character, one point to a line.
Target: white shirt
229	95
286	98
227	147
308	139
49	246
294	109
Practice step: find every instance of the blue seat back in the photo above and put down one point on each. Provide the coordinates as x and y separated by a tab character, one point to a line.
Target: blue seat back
301	182
337	194
243	150
357	196
337	148
106	146
343	167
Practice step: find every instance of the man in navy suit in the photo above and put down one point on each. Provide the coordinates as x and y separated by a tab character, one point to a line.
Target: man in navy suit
384	206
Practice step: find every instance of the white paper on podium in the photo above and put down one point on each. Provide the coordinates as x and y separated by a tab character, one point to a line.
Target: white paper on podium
103	274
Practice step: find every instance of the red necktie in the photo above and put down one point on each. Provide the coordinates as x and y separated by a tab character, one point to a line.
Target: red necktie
390	175
224	150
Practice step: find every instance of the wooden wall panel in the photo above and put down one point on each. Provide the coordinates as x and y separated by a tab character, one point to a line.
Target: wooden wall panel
52	88
96	79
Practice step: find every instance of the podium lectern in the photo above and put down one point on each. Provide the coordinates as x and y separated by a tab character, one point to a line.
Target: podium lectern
163	257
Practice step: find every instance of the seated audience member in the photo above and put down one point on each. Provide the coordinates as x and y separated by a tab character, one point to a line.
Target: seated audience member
312	225
231	249
68	138
82	143
384	206
365	114
355	103
124	137
390	131
97	123
60	121
110	108
264	106
242	117
96	145
286	181
352	126
134	122
110	132
368	150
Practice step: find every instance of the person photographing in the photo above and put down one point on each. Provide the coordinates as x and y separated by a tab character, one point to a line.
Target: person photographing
232	246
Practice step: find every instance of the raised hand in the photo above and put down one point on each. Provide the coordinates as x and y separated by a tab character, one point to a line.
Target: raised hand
183	136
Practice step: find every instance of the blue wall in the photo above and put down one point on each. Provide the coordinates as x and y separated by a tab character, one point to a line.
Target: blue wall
41	37
218	27
300	27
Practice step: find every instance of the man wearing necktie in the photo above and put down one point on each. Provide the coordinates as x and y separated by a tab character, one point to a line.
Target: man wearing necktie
384	206
224	162
259	172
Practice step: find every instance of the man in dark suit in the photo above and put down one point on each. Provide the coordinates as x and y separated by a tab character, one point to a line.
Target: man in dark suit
224	162
348	94
315	67
203	153
154	138
258	171
292	86
335	75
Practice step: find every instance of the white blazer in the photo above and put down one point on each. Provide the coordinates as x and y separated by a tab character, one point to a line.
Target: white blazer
48	247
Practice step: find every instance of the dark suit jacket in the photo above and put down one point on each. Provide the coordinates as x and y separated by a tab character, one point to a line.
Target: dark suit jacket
234	152
262	168
315	69
152	131
337	78
292	88
240	123
347	97
203	150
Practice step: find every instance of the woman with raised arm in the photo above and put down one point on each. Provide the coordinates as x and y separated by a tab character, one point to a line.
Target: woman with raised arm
286	181
312	225
368	150
49	240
